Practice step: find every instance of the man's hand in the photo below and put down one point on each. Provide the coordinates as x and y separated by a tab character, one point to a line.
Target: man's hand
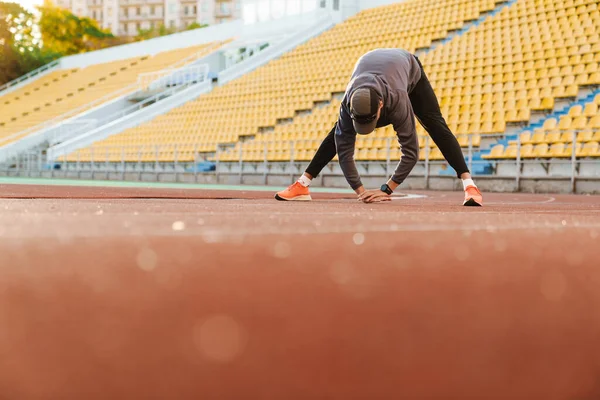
373	196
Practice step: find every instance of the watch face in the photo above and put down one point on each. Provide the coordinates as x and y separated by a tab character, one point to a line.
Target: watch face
385	188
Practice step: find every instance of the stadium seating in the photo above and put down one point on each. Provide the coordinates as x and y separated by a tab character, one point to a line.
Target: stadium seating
515	63
581	120
43	99
292	83
19	96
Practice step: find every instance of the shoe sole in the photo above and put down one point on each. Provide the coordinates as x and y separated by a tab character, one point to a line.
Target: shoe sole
304	197
471	203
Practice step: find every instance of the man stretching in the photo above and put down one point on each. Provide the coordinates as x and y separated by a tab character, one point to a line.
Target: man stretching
388	86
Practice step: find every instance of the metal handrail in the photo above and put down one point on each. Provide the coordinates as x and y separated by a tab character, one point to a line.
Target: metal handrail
162	78
25	77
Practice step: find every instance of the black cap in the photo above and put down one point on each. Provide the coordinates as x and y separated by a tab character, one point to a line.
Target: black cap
364	105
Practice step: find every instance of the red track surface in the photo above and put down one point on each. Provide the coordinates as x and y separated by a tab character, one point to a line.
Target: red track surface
184	295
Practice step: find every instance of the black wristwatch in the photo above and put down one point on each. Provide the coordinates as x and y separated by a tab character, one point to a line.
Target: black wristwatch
385	188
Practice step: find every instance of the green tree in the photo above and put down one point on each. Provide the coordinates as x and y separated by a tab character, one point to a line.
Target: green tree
28	41
65	33
20	46
145	34
195	25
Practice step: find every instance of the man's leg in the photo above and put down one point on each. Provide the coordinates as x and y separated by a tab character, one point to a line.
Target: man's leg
299	189
427	110
323	156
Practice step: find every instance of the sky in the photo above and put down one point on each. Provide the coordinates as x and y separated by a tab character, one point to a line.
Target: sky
29	4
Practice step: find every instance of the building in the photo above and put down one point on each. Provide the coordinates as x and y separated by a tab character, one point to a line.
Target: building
127	17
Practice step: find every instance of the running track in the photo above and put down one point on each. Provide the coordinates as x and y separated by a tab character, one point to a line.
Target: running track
186	294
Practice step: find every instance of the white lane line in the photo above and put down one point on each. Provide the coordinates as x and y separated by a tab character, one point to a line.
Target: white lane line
548	200
402	196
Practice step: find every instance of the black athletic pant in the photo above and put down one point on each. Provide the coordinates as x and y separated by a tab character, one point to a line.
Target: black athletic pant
427	110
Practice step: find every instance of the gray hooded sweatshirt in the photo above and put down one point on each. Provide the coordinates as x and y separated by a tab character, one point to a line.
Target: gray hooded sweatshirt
393	73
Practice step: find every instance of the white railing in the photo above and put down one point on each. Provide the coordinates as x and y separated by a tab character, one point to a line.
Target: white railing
16	82
168	78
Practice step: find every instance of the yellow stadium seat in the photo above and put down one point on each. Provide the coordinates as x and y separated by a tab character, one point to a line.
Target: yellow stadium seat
575	111
586	135
594	78
557	150
564	123
566	137
496	152
540	151
362	155
552	137
382	155
436	154
594	122
589	149
526	138
539	136
549	124
579	123
510	152
463	140
590	110
569	149
526	150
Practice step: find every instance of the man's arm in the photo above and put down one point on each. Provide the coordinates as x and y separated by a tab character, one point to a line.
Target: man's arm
404	125
345	142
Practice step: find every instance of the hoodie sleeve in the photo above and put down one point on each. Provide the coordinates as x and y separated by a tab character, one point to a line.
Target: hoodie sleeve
404	125
345	140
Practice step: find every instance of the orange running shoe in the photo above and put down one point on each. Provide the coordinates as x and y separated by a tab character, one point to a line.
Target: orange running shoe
473	197
295	192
